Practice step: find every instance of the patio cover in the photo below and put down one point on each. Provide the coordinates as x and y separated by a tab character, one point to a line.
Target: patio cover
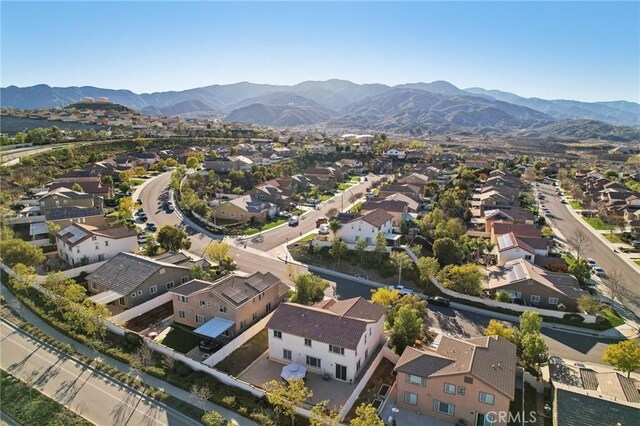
293	372
38	228
214	327
392	237
105	297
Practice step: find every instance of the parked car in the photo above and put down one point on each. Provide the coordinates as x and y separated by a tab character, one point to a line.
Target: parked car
284	214
635	244
401	289
152	227
598	271
321	220
294	221
563	201
591	262
323	229
440	301
142	239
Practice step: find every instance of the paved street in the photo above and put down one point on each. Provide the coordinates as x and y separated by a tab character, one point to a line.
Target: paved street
83	390
598	250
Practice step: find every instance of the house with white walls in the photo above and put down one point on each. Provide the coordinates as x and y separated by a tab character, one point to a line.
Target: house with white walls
82	244
366	226
334	337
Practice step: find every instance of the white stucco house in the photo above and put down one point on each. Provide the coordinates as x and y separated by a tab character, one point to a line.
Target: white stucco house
367	227
511	247
394	153
333	337
84	244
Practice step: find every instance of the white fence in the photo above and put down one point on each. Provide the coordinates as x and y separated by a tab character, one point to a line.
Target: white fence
385	352
227	349
143	308
72	273
588	319
20	220
43	242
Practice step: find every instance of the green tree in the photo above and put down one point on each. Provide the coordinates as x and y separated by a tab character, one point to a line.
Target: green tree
447	252
499	328
334	226
503	296
464	279
428	268
407	327
381	246
125	208
192	162
624	355
172	238
581	270
530	322
361	245
15	250
322	415
547	232
534	349
338	250
76	187
413	302
285	396
400	260
366	415
309	289
385	296
213	418
590	305
53	229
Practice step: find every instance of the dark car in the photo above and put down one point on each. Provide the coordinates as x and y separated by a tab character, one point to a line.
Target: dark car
437	300
152	227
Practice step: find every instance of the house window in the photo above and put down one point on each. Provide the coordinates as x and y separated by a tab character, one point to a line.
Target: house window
553	300
460	390
181	314
527	257
222	212
243	324
277	334
255	316
200	319
336	349
184	279
415	380
443	407
94	286
233	214
139	292
94	238
468	379
358	366
223	309
106	243
534	298
121	301
268	307
100	257
286	354
314	362
449	388
486	398
307	342
183	299
366	353
203	303
153	289
225	333
410	398
170	284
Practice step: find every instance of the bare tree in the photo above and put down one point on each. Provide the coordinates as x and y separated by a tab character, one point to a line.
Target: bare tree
579	241
614	283
141	359
201	394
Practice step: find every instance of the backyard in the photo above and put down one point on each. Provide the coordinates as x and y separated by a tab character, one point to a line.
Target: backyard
181	339
383	375
242	357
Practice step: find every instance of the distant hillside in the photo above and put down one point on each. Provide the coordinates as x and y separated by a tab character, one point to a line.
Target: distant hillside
98	106
585	129
270	115
182	108
284	99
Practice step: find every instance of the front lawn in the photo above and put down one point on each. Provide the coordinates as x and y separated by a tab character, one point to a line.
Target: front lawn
30	407
596	223
307	238
356	207
637	262
324	197
242	357
180	339
274	224
612	317
569	259
614	238
344	186
576	204
355	179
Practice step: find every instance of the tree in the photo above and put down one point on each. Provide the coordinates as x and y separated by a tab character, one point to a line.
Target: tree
192	162
217	251
547	232
428	268
125	208
172	238
581	270
624	355
534	349
499	328
53	229
530	322
381	246
141	359
400	260
338	250
334	226
285	396
464	279
614	283
384	296
406	329
366	415
503	296
361	245
579	241
76	187
201	394
530	174
447	252
213	418
322	415
413	302
590	305
15	250
309	289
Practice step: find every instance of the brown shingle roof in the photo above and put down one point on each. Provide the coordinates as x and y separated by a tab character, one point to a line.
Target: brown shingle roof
358	308
376	217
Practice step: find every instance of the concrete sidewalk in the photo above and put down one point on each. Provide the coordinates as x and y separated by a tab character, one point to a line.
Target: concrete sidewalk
174	391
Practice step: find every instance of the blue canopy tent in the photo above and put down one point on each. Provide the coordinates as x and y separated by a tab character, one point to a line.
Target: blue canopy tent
214	327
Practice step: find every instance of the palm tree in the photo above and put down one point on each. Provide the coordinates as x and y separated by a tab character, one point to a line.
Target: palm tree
334	225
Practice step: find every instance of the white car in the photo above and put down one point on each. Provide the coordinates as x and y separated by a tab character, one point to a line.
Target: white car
598	271
591	262
323	229
401	289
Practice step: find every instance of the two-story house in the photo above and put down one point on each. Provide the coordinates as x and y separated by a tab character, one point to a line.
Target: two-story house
334	337
366	227
90	185
510	247
234	301
471	380
84	244
244	209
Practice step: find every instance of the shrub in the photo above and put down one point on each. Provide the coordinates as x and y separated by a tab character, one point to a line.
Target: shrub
577	318
229	400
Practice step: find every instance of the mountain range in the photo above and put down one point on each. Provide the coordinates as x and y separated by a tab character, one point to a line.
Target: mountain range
414	108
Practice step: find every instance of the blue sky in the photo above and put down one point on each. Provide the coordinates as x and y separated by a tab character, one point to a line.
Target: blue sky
573	50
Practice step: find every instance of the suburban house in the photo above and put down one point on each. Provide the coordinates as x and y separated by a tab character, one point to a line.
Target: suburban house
518	229
229	305
224	165
412	191
147	158
131	279
89	185
244	209
585	395
67	198
468	380
534	285
349	166
366	227
271	194
416	179
81	244
397	209
510	247
394	153
333	337
330	173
